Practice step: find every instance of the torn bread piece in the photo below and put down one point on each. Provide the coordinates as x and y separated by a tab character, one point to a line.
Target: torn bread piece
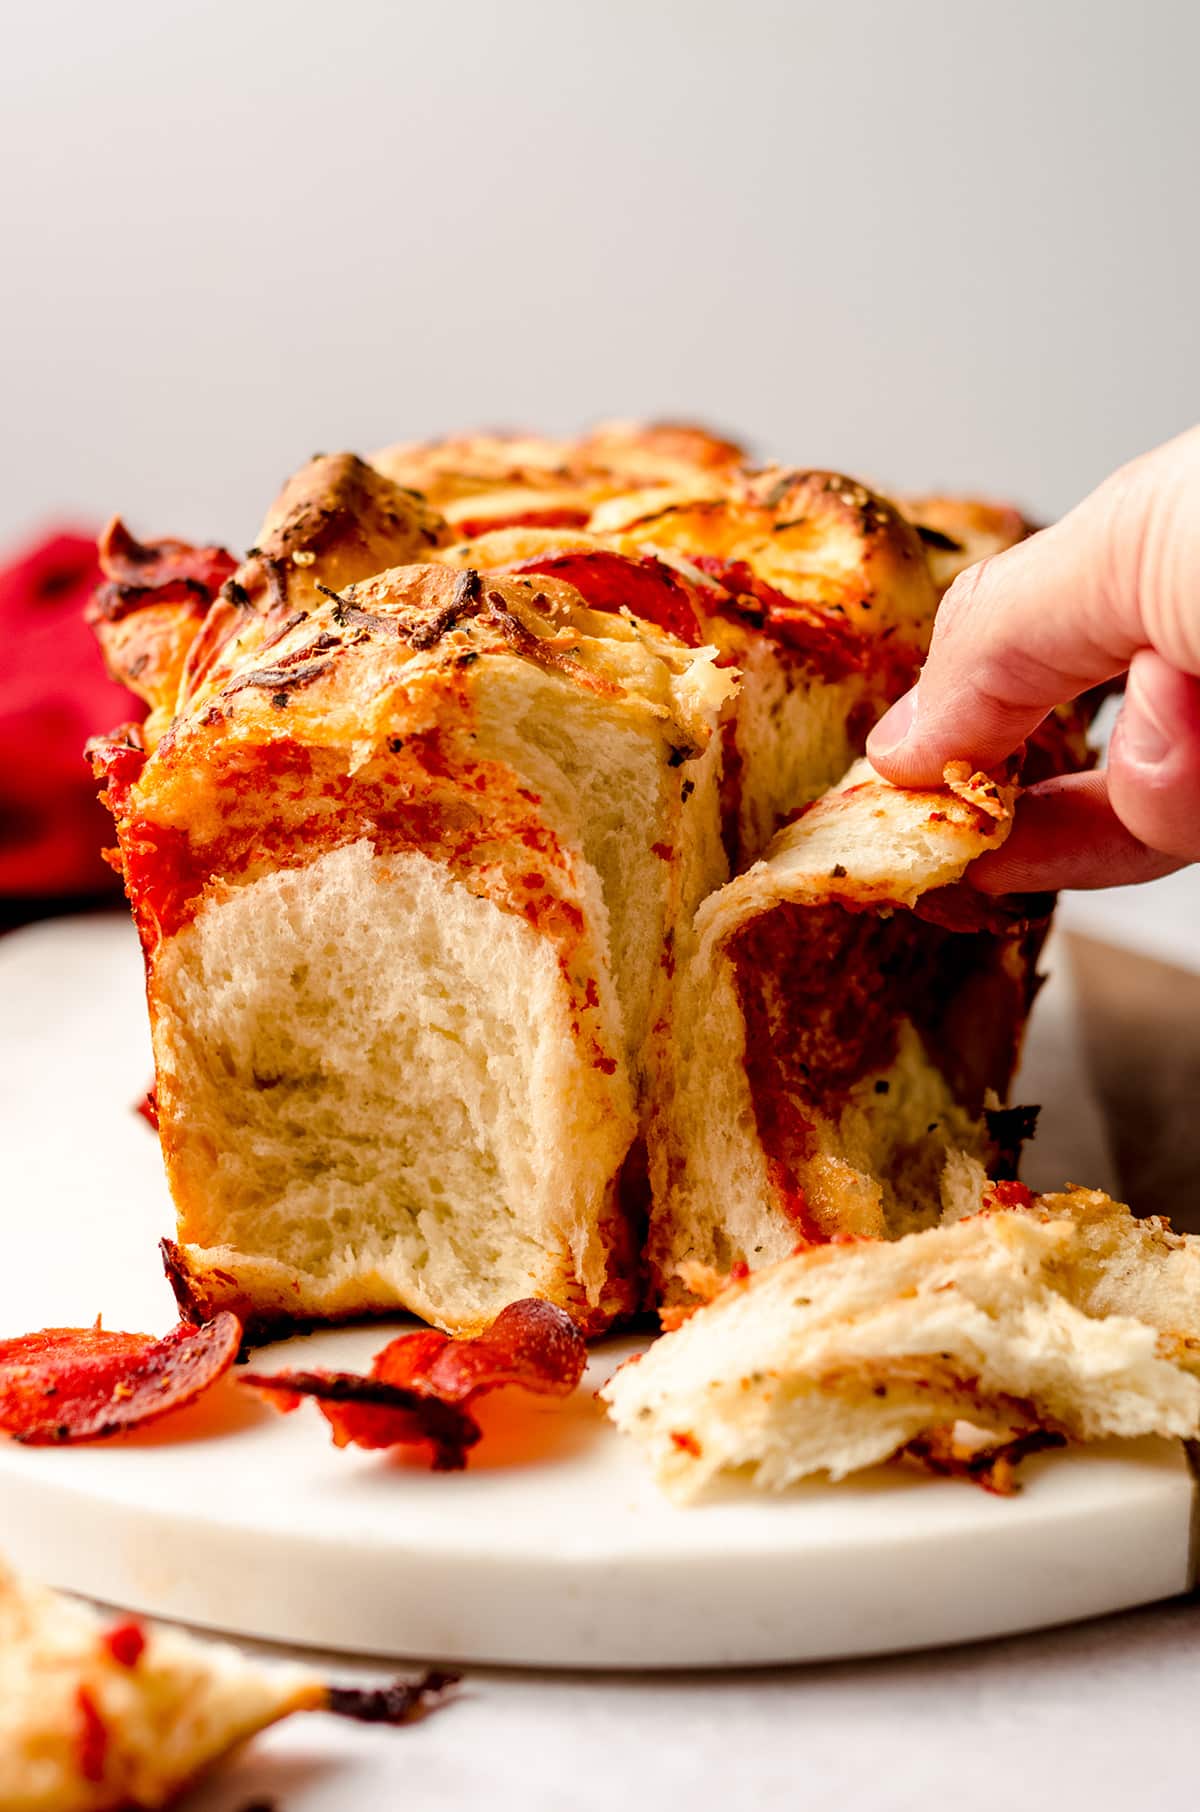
847	1018
1068	1318
99	1713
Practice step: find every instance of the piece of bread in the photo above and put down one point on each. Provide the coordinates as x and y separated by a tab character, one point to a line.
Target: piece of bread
1067	1318
958	532
828	612
167	609
816	589
98	1714
403	868
432	788
482	482
845	1020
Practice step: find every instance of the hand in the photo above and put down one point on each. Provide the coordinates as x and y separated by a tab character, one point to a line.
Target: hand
1113	588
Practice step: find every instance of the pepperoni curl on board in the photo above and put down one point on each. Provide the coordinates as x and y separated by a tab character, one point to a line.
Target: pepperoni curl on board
421	1386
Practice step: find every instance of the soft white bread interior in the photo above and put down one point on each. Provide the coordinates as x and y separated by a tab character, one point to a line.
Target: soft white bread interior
839	1030
405	879
97	1715
387	1101
1069	1317
793	735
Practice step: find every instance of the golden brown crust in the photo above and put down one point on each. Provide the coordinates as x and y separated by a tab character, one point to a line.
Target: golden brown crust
253	773
813	560
350	519
643	453
168	612
492	481
335	521
809	555
149	611
612	455
957	532
465	465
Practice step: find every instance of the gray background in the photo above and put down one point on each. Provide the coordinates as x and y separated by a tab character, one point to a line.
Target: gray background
933	241
940	241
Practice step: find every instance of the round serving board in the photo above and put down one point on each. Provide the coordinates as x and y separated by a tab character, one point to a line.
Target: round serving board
554	1548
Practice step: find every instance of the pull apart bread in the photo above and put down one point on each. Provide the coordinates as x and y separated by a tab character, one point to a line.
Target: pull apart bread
1007	1328
96	1716
427	836
403	865
848	1019
107	1715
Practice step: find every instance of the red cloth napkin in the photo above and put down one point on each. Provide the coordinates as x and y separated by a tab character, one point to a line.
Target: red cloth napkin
54	694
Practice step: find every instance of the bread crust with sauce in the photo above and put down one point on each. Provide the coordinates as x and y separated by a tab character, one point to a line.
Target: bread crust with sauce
849	1014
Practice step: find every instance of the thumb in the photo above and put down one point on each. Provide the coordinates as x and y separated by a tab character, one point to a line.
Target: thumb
1044	621
1153	770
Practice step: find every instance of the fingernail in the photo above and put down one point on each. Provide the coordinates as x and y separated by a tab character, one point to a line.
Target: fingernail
894	726
1143	738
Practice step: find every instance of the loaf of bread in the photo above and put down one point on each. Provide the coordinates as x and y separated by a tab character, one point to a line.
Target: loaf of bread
429	838
1059	1317
403	865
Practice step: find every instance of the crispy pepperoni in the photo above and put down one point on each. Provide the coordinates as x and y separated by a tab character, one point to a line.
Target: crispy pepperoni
420	1387
84	1384
156	572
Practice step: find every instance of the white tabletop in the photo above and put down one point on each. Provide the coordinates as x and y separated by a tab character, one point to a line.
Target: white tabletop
1100	1715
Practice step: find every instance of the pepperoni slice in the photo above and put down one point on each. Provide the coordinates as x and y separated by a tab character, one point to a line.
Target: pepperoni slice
420	1387
83	1384
550	515
156	572
609	581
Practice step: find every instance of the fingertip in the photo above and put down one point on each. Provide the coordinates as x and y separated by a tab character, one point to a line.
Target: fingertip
895	749
932	725
1067	834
